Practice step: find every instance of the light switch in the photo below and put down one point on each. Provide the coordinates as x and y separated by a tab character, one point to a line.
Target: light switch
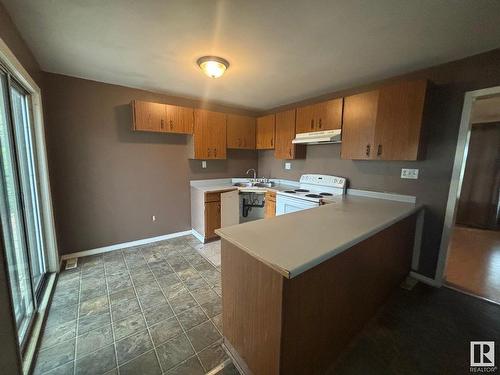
203	163
288	165
411	174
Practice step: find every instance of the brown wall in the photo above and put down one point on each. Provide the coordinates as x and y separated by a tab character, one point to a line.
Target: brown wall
108	181
451	81
9	353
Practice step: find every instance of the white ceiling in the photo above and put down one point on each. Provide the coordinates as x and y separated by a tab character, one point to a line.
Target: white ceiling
280	51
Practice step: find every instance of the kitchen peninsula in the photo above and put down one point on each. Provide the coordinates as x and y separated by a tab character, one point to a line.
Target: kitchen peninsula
298	287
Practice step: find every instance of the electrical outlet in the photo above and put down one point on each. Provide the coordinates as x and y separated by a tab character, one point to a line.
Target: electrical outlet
288	165
411	174
153	218
203	163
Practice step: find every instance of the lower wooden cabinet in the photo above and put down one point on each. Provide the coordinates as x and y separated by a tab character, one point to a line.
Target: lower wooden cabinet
270	206
285	133
212	218
213	210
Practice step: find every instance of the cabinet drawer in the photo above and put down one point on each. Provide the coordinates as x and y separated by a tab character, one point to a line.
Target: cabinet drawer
212	197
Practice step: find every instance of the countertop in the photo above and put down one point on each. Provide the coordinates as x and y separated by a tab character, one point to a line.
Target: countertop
229	186
296	242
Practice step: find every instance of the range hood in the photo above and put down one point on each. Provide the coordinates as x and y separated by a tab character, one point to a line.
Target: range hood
315	138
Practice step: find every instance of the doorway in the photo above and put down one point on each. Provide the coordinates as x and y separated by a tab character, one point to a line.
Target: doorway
470	249
20	212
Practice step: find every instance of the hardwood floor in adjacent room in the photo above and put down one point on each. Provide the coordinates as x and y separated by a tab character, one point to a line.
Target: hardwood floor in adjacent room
474	262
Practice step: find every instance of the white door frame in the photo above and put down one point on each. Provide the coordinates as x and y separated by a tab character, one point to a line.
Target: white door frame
458	174
22	76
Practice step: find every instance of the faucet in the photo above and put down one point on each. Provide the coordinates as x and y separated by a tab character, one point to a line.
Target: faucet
254	172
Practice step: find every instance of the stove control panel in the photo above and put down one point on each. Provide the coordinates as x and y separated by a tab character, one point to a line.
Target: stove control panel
322	179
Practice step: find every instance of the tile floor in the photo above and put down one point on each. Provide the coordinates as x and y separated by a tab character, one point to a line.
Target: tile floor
153	309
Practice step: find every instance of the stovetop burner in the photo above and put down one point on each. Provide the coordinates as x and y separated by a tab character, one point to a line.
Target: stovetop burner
313	196
302	190
326	194
290	191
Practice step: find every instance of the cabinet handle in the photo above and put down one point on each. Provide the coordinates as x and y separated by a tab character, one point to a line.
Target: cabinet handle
215	152
161	123
320	123
171	124
379	150
368	150
312	123
290	152
272	140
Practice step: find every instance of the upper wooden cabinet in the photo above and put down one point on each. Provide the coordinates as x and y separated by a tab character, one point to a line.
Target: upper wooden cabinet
320	116
179	119
240	132
384	124
209	135
148	116
285	133
265	132
156	117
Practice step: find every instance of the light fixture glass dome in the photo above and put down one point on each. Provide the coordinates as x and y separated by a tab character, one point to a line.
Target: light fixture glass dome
213	66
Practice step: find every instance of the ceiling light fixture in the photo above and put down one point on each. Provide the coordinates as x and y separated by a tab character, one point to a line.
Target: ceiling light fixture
213	66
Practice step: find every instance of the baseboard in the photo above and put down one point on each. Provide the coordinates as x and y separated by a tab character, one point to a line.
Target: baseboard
425	279
198	235
124	245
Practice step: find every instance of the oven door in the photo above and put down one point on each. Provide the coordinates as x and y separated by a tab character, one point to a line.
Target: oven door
286	205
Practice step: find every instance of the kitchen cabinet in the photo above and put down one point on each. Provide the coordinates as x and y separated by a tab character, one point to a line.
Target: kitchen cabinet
265	132
209	135
285	133
163	118
270	206
240	132
179	119
213	210
384	124
148	116
320	116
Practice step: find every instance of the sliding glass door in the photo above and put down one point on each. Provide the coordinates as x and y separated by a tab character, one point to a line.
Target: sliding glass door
19	204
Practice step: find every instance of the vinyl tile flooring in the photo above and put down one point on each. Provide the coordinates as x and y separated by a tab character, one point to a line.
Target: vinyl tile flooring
153	309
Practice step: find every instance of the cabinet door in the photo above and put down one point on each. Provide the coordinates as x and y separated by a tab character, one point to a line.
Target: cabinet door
212	218
399	120
265	132
285	133
209	134
358	129
179	119
270	207
230	208
328	115
240	132
305	119
148	116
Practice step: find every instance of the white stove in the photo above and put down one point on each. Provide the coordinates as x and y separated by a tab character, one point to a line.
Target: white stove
314	190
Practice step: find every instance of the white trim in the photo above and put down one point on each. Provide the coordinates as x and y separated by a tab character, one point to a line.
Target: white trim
381	195
20	74
198	236
124	245
417	245
457	175
424	279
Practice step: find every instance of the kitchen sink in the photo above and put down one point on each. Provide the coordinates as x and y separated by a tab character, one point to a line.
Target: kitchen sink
254	184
